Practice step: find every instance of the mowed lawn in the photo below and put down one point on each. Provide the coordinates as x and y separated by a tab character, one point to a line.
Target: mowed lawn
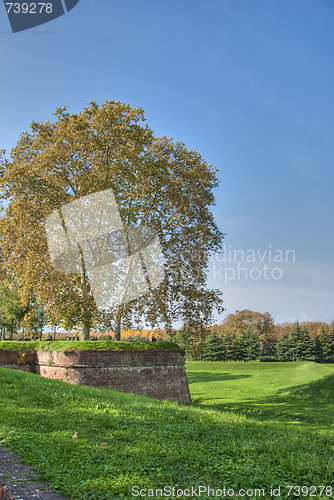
299	394
252	425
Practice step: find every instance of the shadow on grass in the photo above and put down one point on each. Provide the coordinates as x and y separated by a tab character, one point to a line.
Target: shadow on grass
125	440
311	403
198	377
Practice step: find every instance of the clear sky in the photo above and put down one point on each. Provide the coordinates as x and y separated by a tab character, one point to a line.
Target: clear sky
247	83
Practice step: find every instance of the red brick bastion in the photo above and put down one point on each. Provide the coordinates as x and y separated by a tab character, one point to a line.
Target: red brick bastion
156	374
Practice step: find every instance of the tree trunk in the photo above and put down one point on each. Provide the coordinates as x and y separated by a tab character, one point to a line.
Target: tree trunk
85	330
86	313
12	329
118	322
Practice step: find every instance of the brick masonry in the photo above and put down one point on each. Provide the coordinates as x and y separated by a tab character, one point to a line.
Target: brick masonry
156	374
18	360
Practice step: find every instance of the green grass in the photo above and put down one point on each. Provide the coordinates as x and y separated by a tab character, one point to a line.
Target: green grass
98	345
300	394
222	441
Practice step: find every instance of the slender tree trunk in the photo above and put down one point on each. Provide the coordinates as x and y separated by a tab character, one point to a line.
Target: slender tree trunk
11	329
2	328
86	313
118	322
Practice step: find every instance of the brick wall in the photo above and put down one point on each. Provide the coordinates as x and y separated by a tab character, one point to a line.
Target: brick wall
156	374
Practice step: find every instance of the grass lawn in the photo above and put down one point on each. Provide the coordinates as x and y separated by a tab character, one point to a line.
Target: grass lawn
247	429
99	345
300	394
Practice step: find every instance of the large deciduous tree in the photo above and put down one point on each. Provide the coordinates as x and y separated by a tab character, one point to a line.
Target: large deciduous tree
157	183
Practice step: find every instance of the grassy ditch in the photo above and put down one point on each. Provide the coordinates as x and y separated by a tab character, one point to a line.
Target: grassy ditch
300	394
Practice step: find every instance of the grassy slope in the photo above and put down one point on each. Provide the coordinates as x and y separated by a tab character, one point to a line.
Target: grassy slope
298	393
153	444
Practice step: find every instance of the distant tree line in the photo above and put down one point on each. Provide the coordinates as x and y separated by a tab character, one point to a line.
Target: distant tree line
23	322
28	319
243	336
249	335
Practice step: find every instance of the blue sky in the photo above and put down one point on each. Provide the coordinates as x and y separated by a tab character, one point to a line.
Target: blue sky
247	83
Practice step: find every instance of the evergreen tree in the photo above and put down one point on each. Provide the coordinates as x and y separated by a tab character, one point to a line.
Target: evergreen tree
323	344
296	337
330	353
247	346
318	350
284	349
306	346
213	349
228	341
297	346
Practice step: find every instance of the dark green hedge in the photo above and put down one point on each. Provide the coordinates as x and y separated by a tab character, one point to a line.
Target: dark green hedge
268	359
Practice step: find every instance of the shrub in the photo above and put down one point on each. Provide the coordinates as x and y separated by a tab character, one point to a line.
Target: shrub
267	359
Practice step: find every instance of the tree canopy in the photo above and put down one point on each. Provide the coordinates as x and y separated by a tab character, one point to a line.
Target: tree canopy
156	182
260	323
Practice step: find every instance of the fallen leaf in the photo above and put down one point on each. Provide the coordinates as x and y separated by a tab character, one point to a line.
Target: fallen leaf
75	435
104	444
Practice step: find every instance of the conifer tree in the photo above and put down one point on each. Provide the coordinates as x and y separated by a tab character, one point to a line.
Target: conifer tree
306	346
319	355
321	344
228	343
297	346
284	349
247	346
330	352
213	348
